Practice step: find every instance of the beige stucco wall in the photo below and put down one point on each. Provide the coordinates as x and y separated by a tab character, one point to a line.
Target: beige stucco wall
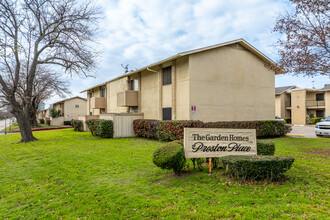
71	112
150	94
113	88
231	83
182	89
298	100
278	105
327	103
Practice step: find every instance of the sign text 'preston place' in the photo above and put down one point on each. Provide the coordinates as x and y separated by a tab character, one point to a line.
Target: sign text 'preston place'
219	142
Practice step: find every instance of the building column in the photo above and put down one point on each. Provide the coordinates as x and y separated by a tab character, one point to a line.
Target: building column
173	90
160	103
127	88
139	92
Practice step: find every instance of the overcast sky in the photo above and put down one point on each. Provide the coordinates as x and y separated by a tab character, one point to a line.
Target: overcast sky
141	32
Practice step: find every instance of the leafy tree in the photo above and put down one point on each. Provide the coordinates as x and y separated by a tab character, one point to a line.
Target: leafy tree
35	33
305	48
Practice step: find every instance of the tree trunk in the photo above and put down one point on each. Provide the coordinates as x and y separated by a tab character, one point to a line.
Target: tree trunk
24	127
32	118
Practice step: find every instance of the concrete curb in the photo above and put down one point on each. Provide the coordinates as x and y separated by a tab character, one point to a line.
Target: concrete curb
44	129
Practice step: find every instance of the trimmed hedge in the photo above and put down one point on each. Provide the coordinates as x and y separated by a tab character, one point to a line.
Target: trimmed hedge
42	121
173	130
287	120
170	156
67	123
146	128
77	125
265	147
256	167
101	128
316	120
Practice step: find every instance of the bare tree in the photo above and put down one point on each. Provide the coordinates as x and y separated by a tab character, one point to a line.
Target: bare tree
305	49
35	33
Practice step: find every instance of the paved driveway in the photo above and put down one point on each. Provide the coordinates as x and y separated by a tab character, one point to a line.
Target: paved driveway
303	130
2	124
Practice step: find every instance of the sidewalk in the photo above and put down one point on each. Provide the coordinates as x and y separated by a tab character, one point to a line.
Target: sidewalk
306	131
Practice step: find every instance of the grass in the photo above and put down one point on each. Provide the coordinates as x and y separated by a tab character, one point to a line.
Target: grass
14	127
69	174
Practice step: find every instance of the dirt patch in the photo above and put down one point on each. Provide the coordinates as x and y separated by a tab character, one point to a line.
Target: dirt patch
323	152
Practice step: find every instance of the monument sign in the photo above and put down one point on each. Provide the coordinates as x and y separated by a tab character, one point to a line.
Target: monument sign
219	142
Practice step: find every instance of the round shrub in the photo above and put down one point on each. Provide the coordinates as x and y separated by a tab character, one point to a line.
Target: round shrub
170	156
42	121
265	147
256	167
77	125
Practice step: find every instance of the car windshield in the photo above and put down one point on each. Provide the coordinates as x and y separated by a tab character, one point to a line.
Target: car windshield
327	118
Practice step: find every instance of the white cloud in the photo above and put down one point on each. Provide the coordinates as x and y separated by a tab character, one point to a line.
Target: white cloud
140	32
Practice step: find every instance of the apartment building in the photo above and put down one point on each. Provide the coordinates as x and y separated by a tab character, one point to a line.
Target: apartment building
223	82
301	103
71	108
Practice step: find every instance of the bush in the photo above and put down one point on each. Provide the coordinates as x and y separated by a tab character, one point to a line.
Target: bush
264	129
256	167
101	128
146	128
105	129
173	130
77	125
42	121
287	120
48	122
170	156
67	123
265	147
316	120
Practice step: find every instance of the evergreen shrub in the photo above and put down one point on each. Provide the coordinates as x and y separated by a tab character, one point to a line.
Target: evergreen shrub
170	156
265	147
256	167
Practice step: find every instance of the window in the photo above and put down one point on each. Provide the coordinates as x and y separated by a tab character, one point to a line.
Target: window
90	95
319	113
77	106
167	113
133	84
90	113
103	92
102	110
167	75
320	97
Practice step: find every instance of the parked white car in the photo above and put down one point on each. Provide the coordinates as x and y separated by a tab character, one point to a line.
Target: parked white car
323	128
279	119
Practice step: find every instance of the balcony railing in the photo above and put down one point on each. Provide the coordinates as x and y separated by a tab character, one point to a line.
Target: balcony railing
314	103
98	102
129	98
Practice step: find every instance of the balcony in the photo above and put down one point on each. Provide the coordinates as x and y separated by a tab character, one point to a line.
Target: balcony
288	104
129	98
315	104
97	102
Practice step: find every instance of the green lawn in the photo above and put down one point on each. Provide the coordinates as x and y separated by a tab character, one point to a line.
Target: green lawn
14	127
74	175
